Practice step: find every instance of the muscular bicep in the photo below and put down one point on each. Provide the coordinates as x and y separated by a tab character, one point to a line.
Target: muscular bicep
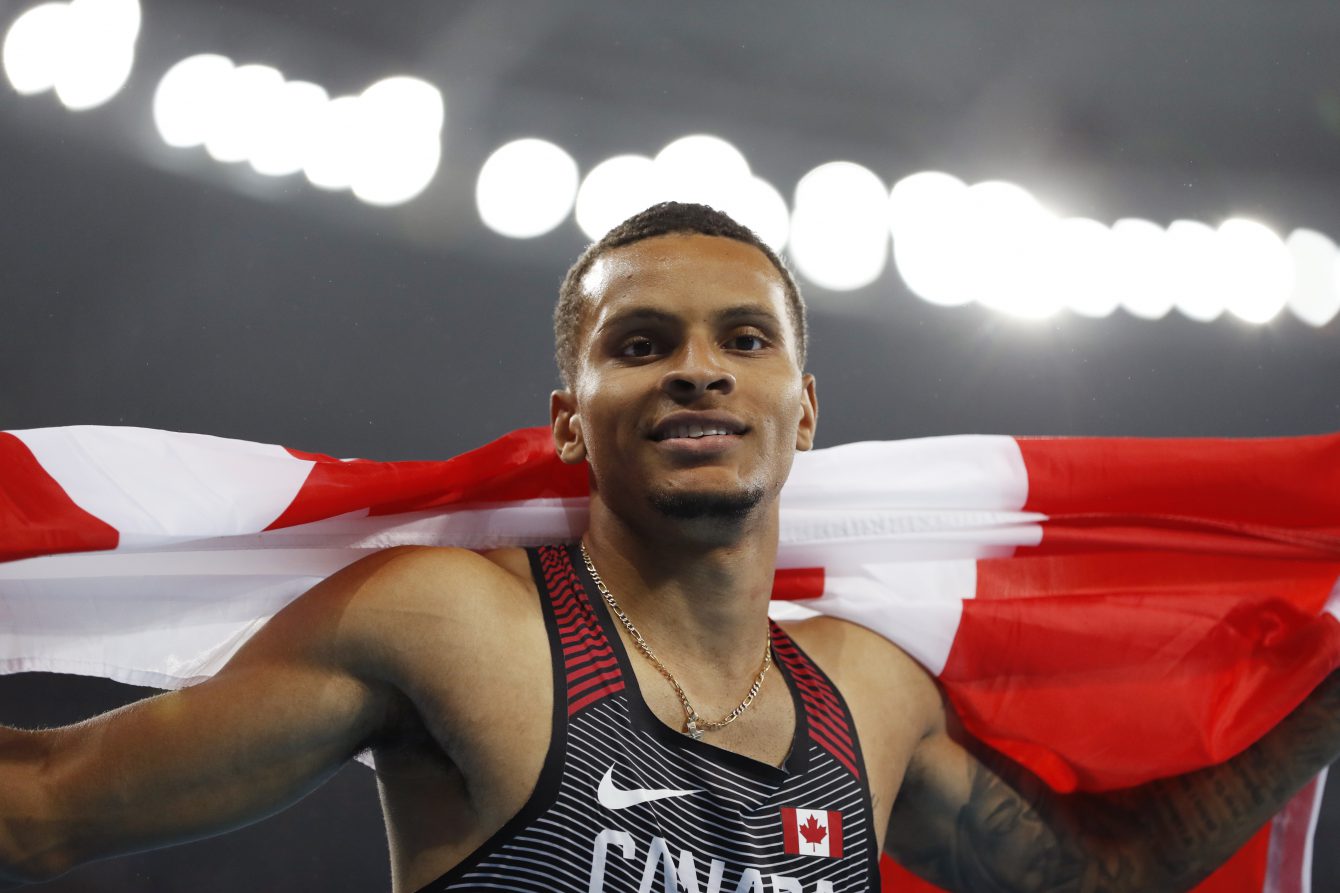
293	705
961	825
197	762
970	820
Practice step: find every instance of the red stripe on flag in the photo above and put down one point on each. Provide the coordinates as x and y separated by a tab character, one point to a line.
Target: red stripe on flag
516	466
1190	678
37	517
1277	496
794	583
1070	533
1287	481
1306	585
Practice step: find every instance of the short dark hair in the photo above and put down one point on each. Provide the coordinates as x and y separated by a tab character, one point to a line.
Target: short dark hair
666	218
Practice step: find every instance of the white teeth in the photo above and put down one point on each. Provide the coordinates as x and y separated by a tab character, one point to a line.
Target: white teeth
693	431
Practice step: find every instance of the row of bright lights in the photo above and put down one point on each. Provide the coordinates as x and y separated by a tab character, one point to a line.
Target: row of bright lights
991	243
83	50
384	144
995	244
528	187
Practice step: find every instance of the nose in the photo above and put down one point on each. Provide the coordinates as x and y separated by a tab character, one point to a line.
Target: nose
697	373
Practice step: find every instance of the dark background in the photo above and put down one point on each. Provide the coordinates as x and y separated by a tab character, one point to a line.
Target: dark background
142	285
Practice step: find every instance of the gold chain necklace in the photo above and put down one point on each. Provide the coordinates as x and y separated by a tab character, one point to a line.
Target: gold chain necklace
694	725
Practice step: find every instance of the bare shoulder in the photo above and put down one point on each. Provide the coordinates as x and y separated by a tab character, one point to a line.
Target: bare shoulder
443	578
383	610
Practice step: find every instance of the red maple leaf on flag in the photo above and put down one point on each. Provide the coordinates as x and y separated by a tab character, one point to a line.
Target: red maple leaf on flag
813	832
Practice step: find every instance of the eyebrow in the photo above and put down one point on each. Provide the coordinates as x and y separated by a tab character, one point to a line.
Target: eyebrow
736	313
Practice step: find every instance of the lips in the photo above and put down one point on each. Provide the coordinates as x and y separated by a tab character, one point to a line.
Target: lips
696	425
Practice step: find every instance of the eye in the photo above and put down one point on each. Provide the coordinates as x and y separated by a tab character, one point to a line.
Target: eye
747	343
637	347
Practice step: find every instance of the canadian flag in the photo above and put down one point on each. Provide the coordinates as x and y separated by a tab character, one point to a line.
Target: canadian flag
1105	611
812	832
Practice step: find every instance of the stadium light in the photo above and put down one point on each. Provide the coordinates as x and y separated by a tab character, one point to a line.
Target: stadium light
235	128
700	168
1259	270
526	188
285	122
399	140
84	50
697	168
839	226
1142	266
613	190
1004	235
924	210
186	97
1315	296
993	243
332	153
1078	269
384	145
758	205
1195	276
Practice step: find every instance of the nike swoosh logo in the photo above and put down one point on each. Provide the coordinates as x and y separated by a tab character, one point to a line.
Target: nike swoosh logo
611	797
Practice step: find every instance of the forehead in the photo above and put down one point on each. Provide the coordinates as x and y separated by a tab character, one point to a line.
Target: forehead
683	274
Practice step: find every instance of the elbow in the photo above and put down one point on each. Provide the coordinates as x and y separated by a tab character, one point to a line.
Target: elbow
24	862
29	855
20	875
31	847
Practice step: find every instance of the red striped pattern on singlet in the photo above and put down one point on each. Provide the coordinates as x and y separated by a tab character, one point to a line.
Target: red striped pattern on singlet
827	719
590	665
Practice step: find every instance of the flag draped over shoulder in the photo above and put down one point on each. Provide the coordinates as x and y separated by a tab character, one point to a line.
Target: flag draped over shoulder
1105	611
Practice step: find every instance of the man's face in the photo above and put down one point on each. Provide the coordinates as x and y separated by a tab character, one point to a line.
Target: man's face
688	400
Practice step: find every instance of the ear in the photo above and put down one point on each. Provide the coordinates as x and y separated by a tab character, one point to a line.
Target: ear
809	413
566	424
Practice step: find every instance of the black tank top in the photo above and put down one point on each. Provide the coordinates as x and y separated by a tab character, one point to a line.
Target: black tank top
625	803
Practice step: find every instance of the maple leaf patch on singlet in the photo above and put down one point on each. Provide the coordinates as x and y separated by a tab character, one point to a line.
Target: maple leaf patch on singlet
812	832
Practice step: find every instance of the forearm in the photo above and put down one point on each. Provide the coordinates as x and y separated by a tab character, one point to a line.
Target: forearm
154	774
1193	823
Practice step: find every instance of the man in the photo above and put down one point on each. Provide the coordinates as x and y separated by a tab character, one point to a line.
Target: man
621	715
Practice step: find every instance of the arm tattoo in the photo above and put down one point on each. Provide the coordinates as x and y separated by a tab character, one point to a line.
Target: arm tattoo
1006	832
1012	834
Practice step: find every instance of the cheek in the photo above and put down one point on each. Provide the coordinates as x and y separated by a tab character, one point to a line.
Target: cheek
607	415
788	413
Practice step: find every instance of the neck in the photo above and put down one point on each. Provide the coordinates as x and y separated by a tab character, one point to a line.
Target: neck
702	604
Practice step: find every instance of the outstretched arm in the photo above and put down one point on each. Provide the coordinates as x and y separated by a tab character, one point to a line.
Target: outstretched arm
971	821
307	692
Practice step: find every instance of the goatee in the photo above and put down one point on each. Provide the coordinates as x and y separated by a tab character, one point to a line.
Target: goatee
715	506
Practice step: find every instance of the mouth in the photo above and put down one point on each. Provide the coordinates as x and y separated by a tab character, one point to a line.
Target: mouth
695	426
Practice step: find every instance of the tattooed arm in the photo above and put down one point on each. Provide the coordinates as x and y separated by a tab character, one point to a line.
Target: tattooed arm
970	821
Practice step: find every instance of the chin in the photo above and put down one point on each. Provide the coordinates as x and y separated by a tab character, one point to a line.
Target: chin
708	505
